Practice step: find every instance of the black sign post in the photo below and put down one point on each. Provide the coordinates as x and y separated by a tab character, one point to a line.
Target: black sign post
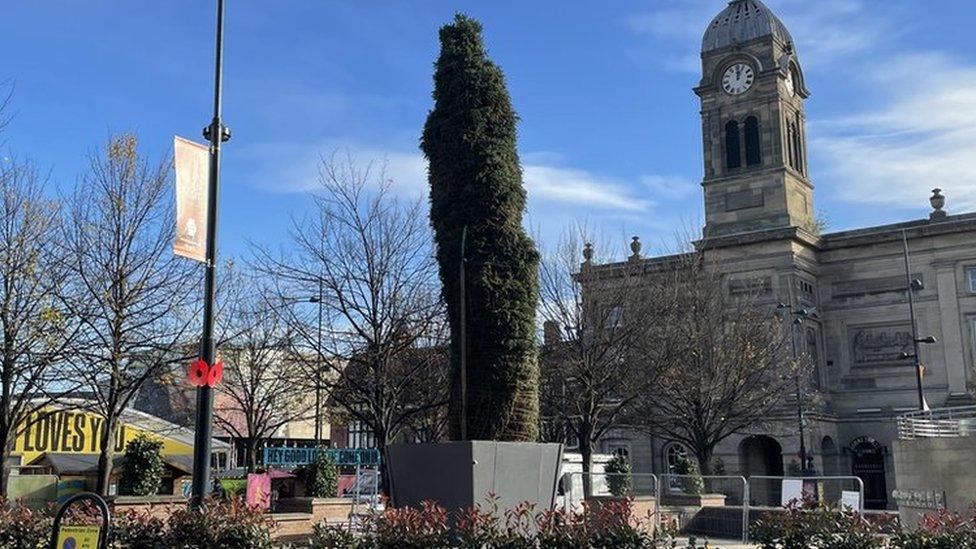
102	509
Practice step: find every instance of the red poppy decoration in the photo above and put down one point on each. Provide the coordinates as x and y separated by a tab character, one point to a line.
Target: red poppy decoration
216	373
199	373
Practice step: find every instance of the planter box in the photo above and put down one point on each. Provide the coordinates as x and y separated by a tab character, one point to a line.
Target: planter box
642	508
330	510
157	506
458	475
694	500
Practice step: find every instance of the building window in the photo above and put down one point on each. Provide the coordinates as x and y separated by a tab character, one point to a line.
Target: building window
674	454
796	144
972	325
733	155
360	435
791	144
617	449
806	288
753	154
971	279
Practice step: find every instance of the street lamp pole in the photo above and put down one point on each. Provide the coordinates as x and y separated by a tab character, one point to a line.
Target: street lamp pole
203	433
463	343
799	315
911	286
318	371
316	299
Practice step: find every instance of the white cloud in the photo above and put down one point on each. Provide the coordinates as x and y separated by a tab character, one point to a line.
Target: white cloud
546	180
580	188
924	137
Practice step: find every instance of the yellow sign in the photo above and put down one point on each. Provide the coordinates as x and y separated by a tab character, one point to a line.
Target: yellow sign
78	537
77	432
192	179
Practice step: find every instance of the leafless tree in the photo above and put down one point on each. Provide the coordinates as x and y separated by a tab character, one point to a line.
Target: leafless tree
381	357
132	296
35	328
262	388
723	354
594	365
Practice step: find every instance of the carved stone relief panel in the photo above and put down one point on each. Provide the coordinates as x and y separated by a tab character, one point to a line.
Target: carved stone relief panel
880	345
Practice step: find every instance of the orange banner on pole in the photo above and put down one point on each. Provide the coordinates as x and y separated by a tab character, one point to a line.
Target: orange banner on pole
192	176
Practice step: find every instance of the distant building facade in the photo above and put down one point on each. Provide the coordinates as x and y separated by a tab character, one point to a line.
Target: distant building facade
761	228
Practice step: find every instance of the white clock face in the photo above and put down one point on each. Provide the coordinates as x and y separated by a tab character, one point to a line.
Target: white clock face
738	78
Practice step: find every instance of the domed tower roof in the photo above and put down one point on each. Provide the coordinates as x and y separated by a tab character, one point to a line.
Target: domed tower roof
741	21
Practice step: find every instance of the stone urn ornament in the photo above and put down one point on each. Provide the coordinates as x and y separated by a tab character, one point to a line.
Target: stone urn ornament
938	201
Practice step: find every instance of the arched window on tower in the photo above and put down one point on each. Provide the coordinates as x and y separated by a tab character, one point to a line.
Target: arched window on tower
753	154
791	143
733	154
799	143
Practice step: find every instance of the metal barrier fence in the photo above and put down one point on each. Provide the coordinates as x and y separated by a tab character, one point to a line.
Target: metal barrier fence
775	492
366	490
640	486
718	505
943	423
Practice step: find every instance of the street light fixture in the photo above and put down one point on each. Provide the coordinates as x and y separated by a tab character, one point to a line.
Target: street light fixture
317	300
799	315
912	286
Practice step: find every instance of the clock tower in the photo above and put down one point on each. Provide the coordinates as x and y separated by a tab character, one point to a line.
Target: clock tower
753	126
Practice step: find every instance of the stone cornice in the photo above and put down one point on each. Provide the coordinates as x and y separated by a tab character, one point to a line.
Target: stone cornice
887	233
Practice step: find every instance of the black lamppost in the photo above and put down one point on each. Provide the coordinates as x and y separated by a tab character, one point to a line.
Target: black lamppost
797	316
216	133
317	300
912	286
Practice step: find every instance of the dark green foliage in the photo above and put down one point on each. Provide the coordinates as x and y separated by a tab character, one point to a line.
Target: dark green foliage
476	182
321	477
814	525
618	476
220	524
22	527
136	530
691	481
142	470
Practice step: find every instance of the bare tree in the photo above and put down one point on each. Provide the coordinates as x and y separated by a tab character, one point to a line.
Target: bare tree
381	356
262	389
35	329
594	365
723	353
131	296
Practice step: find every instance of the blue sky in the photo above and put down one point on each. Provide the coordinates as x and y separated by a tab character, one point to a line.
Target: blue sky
610	133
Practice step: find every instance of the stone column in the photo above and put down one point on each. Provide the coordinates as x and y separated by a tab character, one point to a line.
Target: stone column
952	341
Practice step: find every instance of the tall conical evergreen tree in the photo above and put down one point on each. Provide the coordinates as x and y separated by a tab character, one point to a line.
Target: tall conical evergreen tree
476	182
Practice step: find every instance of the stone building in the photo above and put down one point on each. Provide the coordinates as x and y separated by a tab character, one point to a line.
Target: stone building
760	226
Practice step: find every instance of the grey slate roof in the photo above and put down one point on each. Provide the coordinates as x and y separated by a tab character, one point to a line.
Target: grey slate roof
741	21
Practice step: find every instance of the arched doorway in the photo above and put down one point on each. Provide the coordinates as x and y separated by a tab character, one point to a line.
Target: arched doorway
761	455
828	452
868	464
